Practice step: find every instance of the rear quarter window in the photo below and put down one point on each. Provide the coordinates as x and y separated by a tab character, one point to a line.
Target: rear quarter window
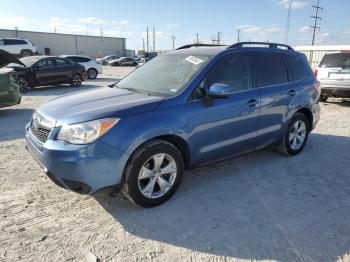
270	69
336	60
299	70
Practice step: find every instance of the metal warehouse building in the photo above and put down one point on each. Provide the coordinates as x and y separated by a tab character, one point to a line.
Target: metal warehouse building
60	44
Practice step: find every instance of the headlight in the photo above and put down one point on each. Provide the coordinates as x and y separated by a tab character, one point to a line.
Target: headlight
86	132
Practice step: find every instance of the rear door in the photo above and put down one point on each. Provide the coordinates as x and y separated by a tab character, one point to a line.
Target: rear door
334	70
63	70
276	93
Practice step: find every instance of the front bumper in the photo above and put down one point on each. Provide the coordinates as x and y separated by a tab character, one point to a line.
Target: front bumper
86	169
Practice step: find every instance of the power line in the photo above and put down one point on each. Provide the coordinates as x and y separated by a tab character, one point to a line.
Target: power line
316	18
288	24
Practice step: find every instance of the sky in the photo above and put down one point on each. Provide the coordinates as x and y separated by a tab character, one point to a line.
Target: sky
257	20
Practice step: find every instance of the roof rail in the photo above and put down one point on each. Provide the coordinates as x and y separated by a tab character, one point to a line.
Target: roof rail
270	45
196	45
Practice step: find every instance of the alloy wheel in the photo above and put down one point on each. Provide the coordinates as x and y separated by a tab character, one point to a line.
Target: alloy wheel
157	175
76	80
297	134
92	73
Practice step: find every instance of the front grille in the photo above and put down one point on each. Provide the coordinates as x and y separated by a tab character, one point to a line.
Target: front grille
39	131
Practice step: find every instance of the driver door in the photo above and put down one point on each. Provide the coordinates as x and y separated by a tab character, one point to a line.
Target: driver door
45	71
230	125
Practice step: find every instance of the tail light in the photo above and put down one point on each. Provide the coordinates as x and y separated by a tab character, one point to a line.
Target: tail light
315	72
317	86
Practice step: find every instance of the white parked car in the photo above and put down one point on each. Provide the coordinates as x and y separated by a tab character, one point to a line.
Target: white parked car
106	59
18	46
92	67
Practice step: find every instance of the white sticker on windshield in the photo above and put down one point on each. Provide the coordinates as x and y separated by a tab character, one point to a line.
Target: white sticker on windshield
194	60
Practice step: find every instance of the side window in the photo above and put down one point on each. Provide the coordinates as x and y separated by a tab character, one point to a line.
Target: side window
232	70
271	69
61	62
45	63
15	42
79	59
297	67
2	42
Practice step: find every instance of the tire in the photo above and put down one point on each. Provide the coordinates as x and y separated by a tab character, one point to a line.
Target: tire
291	143
24	84
134	64
323	98
146	186
92	73
76	80
25	53
104	63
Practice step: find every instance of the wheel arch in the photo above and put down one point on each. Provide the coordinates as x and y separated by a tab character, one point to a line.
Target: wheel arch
307	112
173	139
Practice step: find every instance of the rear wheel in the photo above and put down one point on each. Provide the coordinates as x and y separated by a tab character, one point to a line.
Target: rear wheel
26	53
153	173
296	135
92	73
76	80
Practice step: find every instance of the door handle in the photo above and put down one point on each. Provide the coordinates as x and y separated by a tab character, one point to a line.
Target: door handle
253	102
292	92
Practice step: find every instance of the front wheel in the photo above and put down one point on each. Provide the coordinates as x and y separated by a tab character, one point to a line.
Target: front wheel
153	173
23	83
296	136
76	80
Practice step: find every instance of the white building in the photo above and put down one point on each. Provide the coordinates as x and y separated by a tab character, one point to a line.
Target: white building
68	44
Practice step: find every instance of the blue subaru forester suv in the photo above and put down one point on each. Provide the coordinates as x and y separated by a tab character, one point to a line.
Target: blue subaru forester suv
182	109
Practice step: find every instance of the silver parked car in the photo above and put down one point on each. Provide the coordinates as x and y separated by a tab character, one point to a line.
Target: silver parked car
334	74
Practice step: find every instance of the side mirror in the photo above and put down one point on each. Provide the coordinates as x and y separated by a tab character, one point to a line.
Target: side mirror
218	90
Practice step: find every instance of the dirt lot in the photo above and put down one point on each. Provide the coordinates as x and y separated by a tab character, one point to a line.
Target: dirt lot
261	206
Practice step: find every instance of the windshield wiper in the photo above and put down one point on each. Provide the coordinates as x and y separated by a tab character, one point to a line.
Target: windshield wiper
131	89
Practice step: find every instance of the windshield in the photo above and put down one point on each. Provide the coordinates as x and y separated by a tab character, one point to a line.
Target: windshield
336	60
166	74
28	61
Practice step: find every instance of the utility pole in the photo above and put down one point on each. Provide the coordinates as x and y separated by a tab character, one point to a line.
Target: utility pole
173	38
147	41
316	18
87	30
55	29
238	35
101	32
286	36
197	37
154	39
143	44
219	38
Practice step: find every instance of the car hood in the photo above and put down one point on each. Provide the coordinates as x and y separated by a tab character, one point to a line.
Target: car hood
7	58
95	104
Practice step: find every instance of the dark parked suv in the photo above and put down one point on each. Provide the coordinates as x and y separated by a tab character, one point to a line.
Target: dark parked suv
181	109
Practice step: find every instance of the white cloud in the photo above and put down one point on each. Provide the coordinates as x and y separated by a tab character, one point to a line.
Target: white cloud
92	20
170	25
294	4
304	29
274	29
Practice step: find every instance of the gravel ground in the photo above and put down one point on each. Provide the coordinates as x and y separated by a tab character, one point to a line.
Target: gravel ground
258	207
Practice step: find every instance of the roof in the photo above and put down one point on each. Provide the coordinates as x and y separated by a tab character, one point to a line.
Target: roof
37	57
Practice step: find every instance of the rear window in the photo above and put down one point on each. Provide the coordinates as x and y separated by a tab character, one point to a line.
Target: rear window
336	60
271	69
297	67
